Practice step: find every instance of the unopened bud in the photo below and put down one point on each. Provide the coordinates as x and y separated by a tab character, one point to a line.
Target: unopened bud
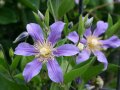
41	16
99	82
22	36
70	25
11	52
88	23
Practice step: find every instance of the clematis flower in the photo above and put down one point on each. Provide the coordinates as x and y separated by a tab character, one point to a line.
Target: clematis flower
94	44
45	51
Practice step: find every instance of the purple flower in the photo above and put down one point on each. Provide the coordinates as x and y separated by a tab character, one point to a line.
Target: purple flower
94	44
44	51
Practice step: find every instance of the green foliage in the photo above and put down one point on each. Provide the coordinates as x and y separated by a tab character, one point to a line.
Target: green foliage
7	16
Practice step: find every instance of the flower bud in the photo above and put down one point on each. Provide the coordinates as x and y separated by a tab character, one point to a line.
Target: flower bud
22	36
88	22
70	25
41	16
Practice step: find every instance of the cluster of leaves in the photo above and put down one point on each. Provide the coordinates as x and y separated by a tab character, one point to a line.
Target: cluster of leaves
18	13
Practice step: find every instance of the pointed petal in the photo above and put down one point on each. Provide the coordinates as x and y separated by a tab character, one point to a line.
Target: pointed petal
54	71
113	42
66	50
83	56
88	32
55	31
101	58
73	36
101	28
35	31
25	49
32	69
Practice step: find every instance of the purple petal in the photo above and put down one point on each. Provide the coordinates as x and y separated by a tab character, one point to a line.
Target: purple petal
54	71
56	30
66	50
35	31
113	42
83	40
101	58
88	32
32	69
25	49
83	56
73	36
101	28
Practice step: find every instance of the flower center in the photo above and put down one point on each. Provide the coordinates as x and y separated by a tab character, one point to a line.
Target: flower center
93	43
45	50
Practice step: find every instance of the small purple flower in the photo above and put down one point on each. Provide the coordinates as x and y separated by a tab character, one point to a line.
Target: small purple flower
44	51
94	44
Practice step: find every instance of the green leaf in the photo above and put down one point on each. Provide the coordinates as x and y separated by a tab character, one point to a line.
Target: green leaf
65	65
92	71
47	18
110	23
6	84
77	72
19	76
81	27
85	2
66	31
65	6
38	19
33	4
15	62
26	60
54	86
53	6
113	29
113	67
61	42
7	16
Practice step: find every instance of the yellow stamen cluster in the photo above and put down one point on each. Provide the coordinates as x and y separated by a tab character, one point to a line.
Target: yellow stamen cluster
45	50
93	43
